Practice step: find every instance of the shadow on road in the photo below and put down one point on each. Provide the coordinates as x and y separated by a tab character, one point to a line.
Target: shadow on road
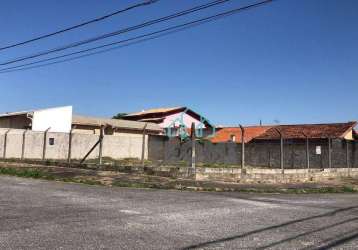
336	242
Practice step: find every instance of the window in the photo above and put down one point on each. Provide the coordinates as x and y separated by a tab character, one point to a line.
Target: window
51	141
233	138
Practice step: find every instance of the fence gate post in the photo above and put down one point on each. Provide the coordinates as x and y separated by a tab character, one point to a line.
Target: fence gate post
193	153
44	144
101	135
23	144
329	152
143	144
5	143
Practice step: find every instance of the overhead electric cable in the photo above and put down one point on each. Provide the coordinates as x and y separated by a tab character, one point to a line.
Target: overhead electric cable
79	25
118	32
143	38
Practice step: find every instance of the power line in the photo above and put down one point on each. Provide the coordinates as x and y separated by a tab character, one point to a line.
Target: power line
143	38
118	32
80	25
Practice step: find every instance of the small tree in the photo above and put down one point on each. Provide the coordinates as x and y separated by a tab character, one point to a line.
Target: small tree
119	116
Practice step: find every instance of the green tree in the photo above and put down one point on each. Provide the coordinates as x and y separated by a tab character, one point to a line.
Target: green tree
119	116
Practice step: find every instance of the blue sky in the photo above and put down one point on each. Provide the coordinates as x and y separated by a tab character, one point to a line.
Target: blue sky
295	61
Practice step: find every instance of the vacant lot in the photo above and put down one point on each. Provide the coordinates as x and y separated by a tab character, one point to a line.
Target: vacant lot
36	214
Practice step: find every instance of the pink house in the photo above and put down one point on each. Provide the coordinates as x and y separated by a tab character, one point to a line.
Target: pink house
171	119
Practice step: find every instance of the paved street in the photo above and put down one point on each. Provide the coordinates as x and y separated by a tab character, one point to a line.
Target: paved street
36	214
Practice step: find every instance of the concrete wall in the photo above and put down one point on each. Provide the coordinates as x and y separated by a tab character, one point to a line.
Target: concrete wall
256	175
259	153
117	147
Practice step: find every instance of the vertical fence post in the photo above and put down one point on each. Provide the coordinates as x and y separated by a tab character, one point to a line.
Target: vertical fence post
281	151
307	151
347	158
143	144
5	143
44	144
23	144
70	146
101	135
193	153
329	152
242	147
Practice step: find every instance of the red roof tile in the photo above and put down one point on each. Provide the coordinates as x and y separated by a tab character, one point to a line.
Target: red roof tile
224	134
332	130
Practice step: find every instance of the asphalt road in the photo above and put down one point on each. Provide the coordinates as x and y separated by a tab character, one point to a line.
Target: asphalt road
37	214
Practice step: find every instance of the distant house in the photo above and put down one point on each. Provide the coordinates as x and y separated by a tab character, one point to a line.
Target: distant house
289	132
312	131
61	119
233	134
171	119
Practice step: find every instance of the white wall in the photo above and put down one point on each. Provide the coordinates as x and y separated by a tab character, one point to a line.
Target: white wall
57	119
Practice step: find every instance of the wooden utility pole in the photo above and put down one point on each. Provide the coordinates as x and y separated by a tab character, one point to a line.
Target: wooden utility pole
143	143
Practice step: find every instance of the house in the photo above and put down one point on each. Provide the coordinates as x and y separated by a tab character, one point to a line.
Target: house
233	134
171	119
61	119
312	131
289	132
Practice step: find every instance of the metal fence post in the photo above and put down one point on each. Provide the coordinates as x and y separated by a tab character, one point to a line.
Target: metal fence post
143	144
329	152
307	151
242	147
193	153
101	135
44	144
281	151
69	146
5	143
23	144
347	158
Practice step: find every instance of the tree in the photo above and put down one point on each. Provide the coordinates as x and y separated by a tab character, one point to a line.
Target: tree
119	116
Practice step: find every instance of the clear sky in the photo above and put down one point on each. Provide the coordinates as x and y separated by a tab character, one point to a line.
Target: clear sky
295	61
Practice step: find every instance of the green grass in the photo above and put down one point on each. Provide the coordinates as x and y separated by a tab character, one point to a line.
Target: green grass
29	173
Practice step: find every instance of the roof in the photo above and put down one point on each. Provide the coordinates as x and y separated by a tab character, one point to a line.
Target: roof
16	113
116	123
224	134
316	131
156	111
154	114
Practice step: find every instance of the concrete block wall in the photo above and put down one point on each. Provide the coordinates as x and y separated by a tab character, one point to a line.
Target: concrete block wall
257	175
118	147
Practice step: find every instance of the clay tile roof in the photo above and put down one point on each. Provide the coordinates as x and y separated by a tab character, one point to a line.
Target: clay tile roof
224	134
155	111
317	131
